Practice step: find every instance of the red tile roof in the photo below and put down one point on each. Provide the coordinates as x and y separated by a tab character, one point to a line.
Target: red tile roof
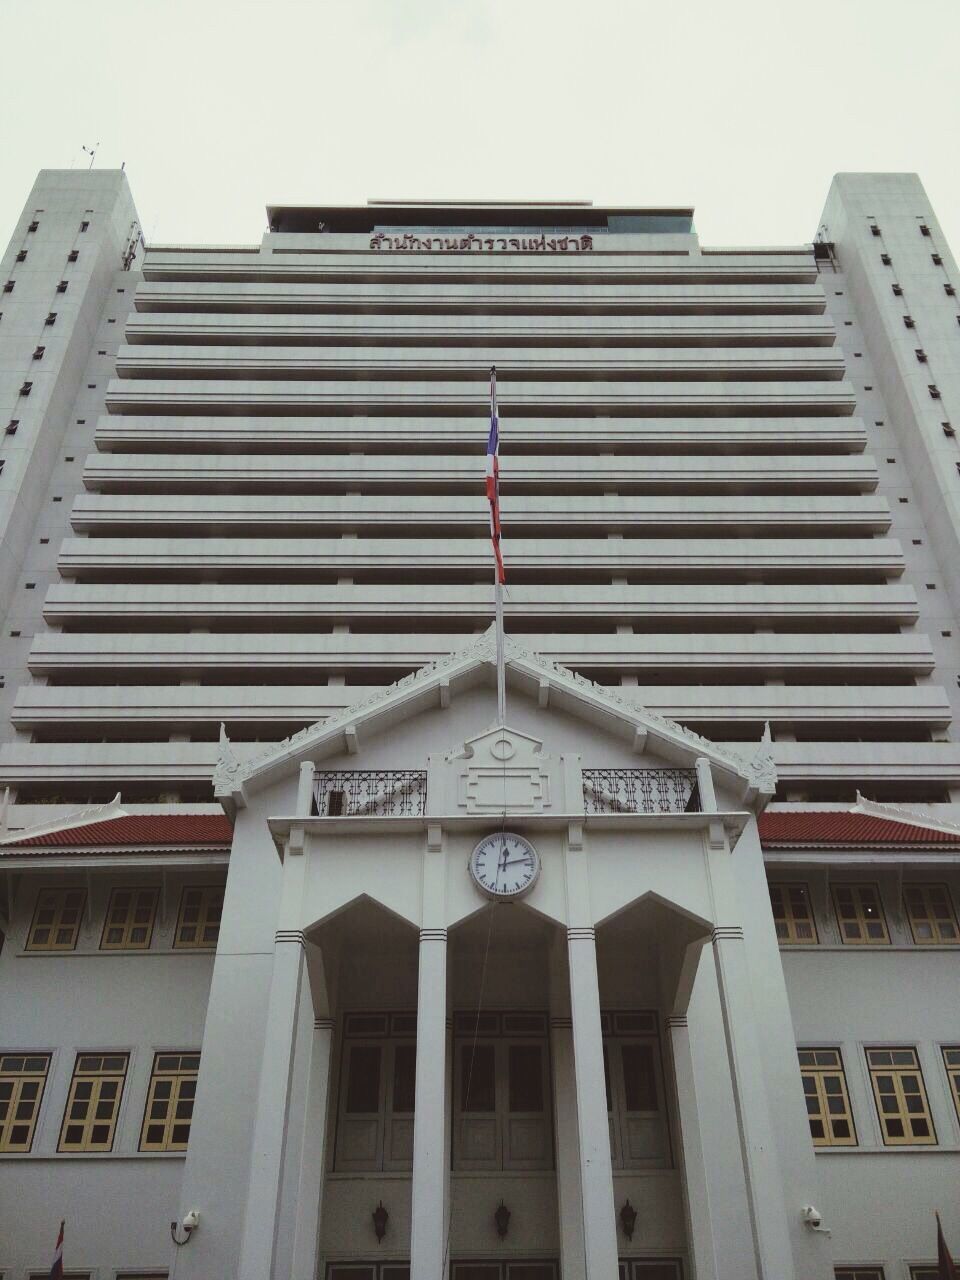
777	827
823	827
140	828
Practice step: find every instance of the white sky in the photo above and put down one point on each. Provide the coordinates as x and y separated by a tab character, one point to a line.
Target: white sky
744	108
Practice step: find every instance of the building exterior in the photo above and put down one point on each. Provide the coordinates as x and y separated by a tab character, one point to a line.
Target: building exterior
656	978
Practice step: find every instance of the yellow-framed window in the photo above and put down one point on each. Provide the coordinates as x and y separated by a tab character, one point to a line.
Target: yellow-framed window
858	1273
198	925
951	1061
827	1099
860	914
56	920
128	924
23	1077
93	1103
169	1109
901	1098
793	914
925	1271
931	914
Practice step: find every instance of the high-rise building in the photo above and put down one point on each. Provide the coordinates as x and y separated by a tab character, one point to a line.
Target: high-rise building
657	977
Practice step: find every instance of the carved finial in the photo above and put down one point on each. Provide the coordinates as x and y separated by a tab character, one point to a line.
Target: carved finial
766	737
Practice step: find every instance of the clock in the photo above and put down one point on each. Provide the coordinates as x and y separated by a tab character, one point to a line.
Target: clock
504	865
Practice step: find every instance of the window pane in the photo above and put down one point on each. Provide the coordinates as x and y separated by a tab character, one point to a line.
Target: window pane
478	1077
526	1078
639	1077
404	1077
363	1088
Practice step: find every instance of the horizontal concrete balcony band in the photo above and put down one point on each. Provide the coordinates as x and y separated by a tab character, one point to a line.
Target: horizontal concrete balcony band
274	515
545	437
474	331
115	472
501	299
120	762
449	267
380	398
881	557
542	364
178	705
56	651
73	603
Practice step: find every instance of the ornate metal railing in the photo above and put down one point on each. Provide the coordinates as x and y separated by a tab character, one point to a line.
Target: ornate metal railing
640	791
370	793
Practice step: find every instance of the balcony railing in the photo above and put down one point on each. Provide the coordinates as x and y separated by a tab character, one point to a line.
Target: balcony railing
370	793
640	791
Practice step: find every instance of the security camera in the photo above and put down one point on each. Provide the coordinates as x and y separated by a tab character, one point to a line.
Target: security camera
813	1218
188	1225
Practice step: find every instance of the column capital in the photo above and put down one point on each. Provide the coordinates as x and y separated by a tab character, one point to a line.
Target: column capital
727	933
433	935
582	933
289	935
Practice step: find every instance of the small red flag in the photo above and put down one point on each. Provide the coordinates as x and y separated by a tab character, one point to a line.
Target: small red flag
56	1271
946	1267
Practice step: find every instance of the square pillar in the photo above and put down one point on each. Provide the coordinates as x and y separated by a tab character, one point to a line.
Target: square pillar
259	1242
314	1153
696	1195
567	1138
428	1227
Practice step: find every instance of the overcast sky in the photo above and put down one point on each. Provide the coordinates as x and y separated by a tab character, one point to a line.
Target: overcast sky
744	108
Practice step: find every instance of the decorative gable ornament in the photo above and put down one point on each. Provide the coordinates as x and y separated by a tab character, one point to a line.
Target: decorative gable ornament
502	770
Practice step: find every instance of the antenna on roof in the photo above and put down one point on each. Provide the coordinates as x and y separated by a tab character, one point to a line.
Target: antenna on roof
91	152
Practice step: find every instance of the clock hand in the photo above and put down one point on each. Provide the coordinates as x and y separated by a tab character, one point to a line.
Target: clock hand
510	861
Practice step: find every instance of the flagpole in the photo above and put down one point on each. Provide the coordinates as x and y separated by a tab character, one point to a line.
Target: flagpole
493	495
501	673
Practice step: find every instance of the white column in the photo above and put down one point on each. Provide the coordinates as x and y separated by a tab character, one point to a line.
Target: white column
430	1117
696	1196
764	1185
569	1200
596	1170
314	1153
258	1247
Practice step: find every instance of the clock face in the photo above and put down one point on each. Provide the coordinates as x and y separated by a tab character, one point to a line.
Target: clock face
504	865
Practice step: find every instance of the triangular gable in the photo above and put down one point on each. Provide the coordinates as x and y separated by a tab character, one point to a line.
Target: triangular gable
436	683
69	822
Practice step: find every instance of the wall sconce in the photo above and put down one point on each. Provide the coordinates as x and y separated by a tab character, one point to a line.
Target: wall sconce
502	1219
628	1218
380	1220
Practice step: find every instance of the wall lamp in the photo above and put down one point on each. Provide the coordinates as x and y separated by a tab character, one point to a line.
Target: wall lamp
502	1219
380	1220
628	1219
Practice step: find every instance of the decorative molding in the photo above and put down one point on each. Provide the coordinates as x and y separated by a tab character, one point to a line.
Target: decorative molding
759	772
561	1024
433	935
582	933
676	1021
77	818
727	933
323	1024
289	935
895	813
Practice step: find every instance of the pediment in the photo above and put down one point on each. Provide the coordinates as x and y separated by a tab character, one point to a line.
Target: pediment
750	779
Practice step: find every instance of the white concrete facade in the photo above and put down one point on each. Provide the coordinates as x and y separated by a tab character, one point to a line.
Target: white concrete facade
244	556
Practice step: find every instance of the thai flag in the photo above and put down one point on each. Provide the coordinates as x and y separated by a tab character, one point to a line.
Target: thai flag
56	1271
493	476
